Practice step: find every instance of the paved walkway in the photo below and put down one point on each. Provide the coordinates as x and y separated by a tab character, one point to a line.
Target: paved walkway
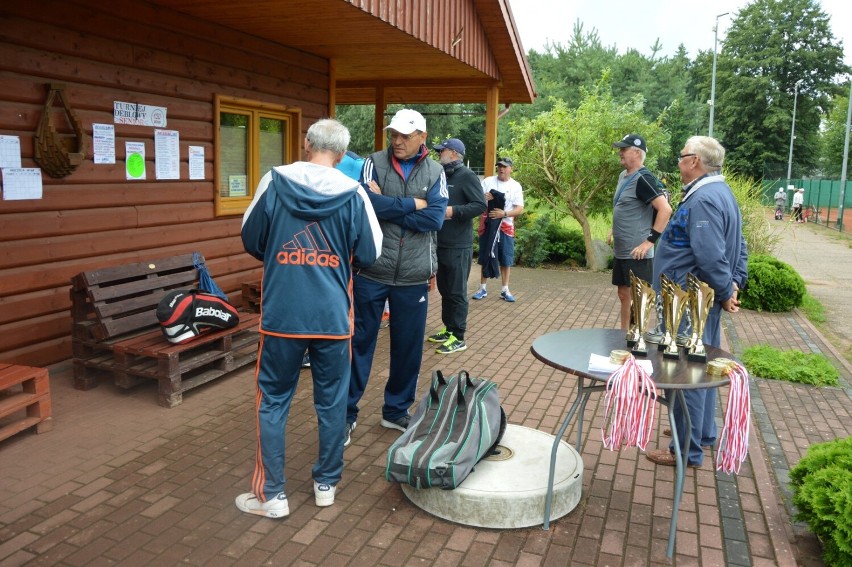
121	481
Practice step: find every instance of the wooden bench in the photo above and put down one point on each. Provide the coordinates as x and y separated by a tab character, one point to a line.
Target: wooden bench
116	332
24	389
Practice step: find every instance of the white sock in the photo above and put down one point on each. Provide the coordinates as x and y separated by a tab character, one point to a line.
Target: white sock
482	287
505	289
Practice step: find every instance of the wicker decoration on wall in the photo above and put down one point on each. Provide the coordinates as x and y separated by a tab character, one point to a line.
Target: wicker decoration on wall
59	154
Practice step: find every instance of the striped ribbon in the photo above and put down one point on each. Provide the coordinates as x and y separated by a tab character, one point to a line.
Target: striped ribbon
630	402
733	443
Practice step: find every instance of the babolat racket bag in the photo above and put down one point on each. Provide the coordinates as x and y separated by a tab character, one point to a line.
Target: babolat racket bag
187	314
453	427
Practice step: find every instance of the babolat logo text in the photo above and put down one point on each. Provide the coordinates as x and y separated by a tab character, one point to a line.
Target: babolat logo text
309	247
211	312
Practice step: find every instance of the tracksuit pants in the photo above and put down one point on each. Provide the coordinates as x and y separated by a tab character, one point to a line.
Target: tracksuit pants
408	308
453	273
279	365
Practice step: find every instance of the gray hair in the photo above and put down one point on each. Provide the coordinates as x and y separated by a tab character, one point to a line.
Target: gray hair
709	151
328	135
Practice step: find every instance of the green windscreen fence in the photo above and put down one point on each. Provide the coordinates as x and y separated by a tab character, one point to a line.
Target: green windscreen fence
821	199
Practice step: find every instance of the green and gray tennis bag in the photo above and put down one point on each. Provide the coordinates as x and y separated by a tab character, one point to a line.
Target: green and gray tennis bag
455	426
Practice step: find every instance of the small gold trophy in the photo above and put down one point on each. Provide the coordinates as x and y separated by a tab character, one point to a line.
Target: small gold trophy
700	302
675	302
643	298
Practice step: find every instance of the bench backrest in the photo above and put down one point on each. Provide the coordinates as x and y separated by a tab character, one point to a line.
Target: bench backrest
123	299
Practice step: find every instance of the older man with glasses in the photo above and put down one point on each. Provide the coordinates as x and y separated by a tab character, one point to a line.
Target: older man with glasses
408	190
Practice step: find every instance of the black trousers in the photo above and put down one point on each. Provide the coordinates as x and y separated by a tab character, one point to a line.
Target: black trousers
453	273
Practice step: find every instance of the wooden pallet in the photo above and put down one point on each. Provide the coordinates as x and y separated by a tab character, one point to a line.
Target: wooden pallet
251	296
24	389
116	333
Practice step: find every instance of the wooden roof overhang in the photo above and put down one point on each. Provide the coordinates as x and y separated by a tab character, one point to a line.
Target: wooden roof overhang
394	51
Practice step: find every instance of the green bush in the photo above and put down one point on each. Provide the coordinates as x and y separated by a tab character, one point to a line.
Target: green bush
539	239
790	366
822	494
772	285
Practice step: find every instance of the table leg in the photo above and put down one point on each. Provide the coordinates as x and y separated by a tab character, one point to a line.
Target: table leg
680	451
548	499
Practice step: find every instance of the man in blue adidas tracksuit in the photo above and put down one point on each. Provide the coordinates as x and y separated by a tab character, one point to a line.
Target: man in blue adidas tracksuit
310	224
408	190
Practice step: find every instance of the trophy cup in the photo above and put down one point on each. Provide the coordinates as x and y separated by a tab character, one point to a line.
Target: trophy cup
643	298
675	302
700	302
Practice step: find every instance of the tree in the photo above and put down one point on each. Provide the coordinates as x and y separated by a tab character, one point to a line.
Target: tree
771	45
564	157
833	137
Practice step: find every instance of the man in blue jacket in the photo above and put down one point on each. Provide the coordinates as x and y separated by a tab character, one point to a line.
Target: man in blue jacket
310	224
704	237
409	194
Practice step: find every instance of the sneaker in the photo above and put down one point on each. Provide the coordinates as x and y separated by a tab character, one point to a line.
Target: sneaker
385	323
324	493
400	423
275	508
507	296
306	361
481	294
453	344
347	437
441	336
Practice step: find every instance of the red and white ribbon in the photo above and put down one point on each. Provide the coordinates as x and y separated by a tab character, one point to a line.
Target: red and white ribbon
733	443
630	402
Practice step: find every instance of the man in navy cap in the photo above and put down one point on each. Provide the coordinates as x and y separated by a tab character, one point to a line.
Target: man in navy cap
455	245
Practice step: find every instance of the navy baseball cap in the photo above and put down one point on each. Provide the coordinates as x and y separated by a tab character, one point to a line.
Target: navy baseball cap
451	144
504	161
631	141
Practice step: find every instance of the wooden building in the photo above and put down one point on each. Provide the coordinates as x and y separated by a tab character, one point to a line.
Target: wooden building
236	83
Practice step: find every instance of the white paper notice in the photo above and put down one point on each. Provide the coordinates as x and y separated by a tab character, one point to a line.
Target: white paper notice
196	162
103	140
138	114
135	160
10	151
21	183
167	154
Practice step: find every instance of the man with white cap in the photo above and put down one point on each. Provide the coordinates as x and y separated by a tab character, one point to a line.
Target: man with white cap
408	191
798	201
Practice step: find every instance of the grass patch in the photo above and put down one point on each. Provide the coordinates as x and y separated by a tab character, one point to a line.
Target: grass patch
813	309
790	366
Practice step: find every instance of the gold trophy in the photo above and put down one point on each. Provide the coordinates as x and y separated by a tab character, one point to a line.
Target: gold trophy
643	298
700	303
675	303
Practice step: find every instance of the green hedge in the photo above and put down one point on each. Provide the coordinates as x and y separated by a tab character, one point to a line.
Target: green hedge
822	494
773	285
790	365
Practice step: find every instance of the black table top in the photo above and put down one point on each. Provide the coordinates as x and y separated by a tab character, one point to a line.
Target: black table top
569	351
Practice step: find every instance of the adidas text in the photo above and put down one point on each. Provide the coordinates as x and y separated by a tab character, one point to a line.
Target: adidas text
300	258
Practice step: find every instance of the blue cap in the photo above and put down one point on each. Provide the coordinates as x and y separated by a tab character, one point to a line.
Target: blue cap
452	144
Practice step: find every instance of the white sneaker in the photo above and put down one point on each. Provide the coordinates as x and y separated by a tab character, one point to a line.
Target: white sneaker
324	494
274	508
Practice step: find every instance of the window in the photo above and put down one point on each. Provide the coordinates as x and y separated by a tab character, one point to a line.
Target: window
251	138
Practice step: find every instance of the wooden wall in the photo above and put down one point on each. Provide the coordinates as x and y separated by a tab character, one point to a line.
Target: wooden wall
127	51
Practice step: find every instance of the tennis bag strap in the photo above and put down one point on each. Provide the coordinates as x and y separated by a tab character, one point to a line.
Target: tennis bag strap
458	423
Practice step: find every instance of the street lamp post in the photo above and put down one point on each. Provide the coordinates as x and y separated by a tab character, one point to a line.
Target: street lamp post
713	79
845	160
793	130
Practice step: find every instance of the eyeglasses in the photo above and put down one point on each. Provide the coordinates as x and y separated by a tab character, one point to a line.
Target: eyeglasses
405	137
681	156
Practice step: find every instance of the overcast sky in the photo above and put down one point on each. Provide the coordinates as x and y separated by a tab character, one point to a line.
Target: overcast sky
631	24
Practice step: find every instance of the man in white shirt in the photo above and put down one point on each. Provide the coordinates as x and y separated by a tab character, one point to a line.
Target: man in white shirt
798	201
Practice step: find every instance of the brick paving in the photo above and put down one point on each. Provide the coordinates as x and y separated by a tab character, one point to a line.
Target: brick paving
122	481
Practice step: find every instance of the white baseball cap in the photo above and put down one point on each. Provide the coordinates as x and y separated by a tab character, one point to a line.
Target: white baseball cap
407	121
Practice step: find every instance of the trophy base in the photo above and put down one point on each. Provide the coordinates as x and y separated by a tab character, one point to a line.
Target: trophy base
639	350
662	346
697	356
672	355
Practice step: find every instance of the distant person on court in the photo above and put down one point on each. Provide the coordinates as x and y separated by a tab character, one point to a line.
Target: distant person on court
798	202
505	200
455	245
310	225
640	212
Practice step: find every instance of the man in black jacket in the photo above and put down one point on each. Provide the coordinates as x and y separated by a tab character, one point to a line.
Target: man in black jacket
455	245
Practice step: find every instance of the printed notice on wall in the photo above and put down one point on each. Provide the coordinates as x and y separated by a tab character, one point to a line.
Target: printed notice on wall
10	151
138	114
21	183
103	142
135	161
196	162
167	154
237	186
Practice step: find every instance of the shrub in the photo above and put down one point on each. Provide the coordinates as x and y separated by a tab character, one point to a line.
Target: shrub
790	366
539	239
759	236
772	285
822	493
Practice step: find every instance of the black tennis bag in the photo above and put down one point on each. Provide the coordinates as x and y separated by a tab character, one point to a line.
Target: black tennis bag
455	426
187	314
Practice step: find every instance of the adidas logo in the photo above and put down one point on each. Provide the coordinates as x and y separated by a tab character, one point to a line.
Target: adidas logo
301	258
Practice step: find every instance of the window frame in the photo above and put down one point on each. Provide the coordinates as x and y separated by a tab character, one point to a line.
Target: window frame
255	110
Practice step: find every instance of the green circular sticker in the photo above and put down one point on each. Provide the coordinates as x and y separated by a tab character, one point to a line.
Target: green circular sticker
135	165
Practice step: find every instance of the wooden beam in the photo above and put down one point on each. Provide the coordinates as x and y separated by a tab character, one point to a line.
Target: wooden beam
491	102
379	119
332	88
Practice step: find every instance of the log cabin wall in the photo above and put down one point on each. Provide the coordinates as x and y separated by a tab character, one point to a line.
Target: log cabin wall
127	51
